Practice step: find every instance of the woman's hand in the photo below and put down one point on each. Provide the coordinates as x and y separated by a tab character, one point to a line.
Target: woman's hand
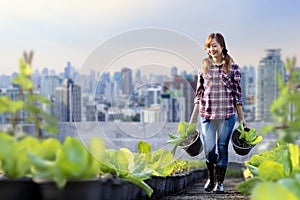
244	123
240	112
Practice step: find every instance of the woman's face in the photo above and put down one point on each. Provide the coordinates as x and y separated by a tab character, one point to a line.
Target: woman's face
215	49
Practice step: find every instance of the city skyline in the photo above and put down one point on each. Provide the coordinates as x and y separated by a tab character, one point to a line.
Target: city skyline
59	32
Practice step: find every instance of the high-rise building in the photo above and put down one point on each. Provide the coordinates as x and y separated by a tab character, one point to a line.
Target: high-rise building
174	72
267	84
126	81
249	92
49	83
153	95
173	106
69	71
155	113
243	86
48	86
138	78
181	87
36	78
68	102
5	81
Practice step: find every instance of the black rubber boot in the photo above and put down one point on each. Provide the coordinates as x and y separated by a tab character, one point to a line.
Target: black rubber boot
210	183
220	175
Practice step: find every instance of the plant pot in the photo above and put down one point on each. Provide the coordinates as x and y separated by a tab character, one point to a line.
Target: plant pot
83	189
195	147
158	184
19	189
240	146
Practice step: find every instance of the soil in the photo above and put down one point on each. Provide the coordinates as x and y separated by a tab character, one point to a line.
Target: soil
239	142
190	138
196	191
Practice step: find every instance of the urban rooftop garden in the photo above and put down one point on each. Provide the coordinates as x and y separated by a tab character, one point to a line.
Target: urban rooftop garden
38	167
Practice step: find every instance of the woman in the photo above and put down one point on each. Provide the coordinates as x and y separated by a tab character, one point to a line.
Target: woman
218	95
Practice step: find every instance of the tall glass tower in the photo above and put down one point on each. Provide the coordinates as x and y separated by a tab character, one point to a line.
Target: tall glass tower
267	84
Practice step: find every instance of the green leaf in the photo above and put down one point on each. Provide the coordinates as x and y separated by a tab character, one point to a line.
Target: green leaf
246	187
129	156
266	129
271	191
253	169
8	105
182	126
172	136
191	128
23	81
292	185
38	98
139	183
144	147
271	170
24	68
294	155
256	140
13	153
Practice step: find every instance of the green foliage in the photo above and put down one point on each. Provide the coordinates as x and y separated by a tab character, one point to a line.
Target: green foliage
277	172
180	166
13	155
7	105
250	136
279	163
272	191
122	163
28	102
64	162
184	129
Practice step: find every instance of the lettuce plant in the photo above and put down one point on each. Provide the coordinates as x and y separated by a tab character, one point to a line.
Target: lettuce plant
160	162
69	161
121	163
13	155
184	130
250	136
279	163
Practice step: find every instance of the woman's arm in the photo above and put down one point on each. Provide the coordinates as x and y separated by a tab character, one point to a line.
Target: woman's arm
194	117
239	109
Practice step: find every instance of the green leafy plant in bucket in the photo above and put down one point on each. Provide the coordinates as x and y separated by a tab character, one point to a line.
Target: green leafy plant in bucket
185	131
249	135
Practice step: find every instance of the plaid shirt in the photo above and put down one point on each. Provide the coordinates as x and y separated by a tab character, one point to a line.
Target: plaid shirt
217	92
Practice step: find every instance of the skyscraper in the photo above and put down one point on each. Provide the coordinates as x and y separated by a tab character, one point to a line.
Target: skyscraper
68	102
126	81
267	84
69	71
49	83
182	88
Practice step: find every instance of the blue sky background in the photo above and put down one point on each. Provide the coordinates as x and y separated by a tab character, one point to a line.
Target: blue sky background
60	31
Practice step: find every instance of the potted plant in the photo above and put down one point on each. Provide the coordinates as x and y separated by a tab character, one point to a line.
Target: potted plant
244	139
188	139
16	181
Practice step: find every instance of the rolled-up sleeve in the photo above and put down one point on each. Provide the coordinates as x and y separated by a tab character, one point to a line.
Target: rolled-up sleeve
237	90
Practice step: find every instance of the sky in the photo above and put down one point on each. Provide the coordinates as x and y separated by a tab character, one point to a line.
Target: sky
81	30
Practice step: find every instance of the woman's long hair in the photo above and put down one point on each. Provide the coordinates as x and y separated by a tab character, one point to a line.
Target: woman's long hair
227	59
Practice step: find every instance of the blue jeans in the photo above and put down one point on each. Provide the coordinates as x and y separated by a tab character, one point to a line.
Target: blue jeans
216	136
